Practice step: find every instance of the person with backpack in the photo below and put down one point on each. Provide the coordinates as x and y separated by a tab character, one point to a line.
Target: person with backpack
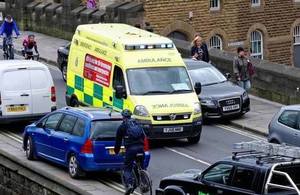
132	135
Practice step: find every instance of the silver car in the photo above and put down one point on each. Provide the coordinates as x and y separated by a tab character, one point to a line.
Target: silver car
285	126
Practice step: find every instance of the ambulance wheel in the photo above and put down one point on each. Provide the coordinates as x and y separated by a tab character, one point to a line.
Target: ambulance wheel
194	140
74	102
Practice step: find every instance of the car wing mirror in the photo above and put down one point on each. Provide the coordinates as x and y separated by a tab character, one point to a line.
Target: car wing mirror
120	92
198	88
40	125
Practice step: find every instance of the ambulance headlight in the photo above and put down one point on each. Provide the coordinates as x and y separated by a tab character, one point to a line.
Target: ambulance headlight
141	111
197	108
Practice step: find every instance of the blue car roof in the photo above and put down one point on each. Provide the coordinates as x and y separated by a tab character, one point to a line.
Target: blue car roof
94	113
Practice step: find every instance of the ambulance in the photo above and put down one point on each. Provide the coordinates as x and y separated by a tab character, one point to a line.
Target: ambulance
120	66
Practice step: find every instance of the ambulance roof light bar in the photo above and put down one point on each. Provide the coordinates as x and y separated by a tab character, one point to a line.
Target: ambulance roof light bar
269	149
149	46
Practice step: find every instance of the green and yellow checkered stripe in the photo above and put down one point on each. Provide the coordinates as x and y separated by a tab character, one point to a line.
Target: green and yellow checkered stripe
92	93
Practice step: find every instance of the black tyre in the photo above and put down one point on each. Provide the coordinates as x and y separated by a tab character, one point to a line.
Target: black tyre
194	140
29	150
64	72
145	183
74	102
74	169
274	141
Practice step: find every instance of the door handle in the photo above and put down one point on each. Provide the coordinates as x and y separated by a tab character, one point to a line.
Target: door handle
24	95
66	139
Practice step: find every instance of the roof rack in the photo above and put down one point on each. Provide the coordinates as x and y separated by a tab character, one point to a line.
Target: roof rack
265	151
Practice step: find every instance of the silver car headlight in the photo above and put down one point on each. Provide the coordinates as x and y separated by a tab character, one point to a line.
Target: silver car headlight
245	96
207	102
197	108
140	110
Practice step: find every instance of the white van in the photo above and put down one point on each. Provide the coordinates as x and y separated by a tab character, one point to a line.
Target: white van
27	91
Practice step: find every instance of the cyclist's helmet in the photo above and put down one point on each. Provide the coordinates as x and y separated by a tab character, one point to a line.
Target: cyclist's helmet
126	113
8	18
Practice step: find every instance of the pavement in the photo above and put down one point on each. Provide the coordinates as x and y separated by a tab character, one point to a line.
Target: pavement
256	120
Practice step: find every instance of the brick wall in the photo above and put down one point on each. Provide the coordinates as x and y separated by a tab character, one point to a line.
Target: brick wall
233	22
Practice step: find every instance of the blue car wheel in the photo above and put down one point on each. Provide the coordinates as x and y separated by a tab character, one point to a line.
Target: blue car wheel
29	150
74	169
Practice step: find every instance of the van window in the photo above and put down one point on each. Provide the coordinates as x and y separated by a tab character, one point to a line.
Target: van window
16	80
39	79
118	77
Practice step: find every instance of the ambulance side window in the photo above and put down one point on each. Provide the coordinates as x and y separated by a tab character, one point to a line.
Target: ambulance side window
118	78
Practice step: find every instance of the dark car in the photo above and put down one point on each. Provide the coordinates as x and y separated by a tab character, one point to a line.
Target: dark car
219	97
259	171
285	126
62	59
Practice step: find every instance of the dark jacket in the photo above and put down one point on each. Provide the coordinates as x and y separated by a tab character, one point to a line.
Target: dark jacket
202	52
240	68
122	136
8	28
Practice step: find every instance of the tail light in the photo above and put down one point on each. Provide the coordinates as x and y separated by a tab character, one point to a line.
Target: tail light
87	147
146	145
53	94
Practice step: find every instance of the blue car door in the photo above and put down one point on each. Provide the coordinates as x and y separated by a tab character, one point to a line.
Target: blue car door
62	137
43	135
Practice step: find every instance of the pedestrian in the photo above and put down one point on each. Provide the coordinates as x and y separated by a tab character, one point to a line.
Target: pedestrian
91	4
199	49
241	69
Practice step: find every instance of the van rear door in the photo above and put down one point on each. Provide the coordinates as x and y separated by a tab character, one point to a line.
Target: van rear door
41	83
16	92
104	135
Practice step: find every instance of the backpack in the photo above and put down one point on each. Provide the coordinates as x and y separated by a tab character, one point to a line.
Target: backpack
251	69
134	130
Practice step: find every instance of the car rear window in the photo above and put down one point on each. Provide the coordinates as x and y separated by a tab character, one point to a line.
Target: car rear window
101	130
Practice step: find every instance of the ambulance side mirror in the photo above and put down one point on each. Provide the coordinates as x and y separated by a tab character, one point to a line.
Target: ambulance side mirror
120	92
198	88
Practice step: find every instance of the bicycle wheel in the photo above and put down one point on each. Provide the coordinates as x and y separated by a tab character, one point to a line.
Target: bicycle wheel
145	183
11	52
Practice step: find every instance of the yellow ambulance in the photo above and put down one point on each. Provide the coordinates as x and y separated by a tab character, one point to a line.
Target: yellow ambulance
121	66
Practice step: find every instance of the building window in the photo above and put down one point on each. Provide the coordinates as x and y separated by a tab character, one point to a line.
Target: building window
297	35
214	5
255	3
216	42
256	41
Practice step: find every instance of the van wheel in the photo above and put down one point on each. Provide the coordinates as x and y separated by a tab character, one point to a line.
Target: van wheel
194	140
29	150
74	102
274	141
74	169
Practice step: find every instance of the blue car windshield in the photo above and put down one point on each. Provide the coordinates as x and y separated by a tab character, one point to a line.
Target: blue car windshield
103	130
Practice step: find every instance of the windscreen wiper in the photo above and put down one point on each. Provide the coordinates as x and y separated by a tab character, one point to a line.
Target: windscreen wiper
180	91
155	92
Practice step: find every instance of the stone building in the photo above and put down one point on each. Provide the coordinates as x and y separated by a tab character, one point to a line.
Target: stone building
271	28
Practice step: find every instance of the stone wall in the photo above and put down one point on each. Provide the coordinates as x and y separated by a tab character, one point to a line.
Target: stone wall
272	81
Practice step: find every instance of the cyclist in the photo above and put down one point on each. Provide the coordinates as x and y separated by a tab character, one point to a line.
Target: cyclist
7	28
29	44
133	136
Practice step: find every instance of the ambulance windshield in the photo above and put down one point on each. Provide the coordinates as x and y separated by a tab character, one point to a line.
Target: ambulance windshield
161	80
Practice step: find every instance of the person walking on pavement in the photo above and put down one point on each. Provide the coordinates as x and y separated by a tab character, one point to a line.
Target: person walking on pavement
199	49
241	69
7	28
132	135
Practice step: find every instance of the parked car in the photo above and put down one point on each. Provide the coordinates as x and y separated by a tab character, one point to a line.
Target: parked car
62	59
285	126
255	172
27	91
80	139
219	97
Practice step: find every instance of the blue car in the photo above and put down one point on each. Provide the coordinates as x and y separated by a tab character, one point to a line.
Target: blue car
80	139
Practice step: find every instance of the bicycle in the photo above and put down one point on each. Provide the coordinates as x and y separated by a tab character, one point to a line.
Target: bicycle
141	176
9	48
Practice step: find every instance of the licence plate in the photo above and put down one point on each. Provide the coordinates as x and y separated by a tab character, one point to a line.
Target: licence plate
232	107
16	109
111	151
173	129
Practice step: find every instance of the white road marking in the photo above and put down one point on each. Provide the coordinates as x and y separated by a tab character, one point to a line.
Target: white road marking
243	133
16	138
188	156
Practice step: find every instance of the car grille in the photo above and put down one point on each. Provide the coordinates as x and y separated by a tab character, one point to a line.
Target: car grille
230	103
172	117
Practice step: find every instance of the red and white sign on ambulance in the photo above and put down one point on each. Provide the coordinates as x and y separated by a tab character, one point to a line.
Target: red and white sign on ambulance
97	70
